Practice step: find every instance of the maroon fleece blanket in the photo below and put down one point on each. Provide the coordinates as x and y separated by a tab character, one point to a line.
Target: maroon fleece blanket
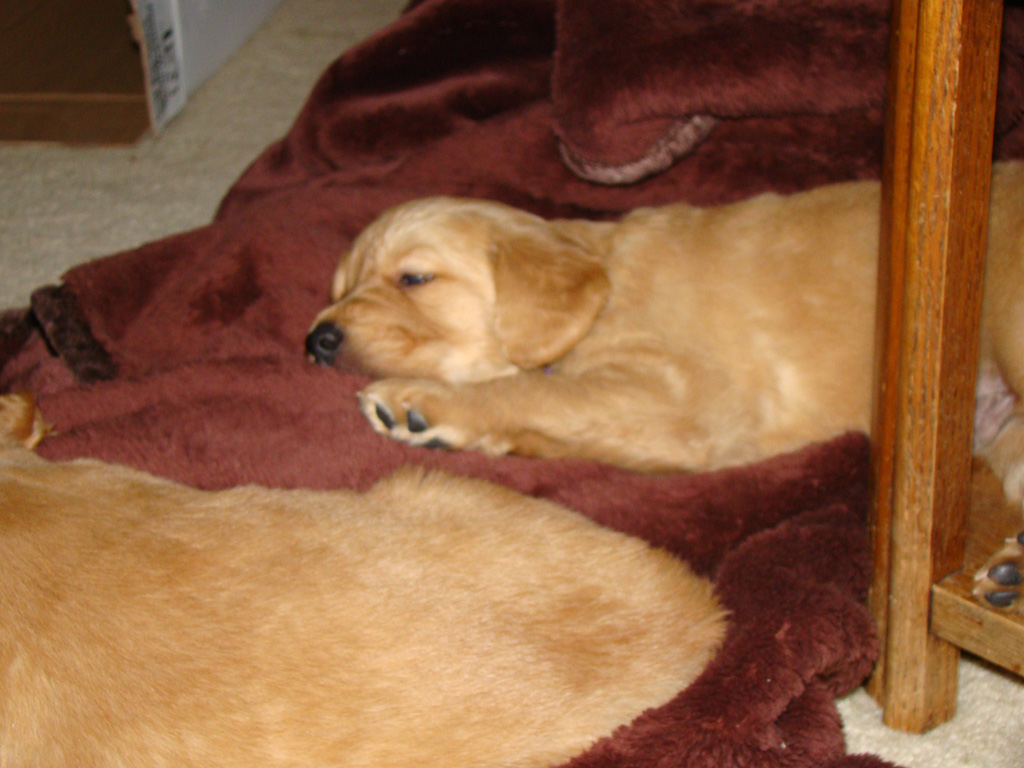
185	356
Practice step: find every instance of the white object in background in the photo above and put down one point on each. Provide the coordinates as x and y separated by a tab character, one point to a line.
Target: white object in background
185	41
158	31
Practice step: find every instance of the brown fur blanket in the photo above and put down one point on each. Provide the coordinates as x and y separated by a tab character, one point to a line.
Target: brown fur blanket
185	356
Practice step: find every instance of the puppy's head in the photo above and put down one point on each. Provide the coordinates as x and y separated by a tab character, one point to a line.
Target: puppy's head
458	290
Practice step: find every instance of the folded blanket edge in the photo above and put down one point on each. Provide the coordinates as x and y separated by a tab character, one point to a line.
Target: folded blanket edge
680	139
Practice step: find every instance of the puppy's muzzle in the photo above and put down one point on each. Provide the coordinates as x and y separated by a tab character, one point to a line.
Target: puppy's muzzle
324	342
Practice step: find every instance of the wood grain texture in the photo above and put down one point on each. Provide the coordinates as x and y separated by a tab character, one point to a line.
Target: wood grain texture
937	175
961	621
889	306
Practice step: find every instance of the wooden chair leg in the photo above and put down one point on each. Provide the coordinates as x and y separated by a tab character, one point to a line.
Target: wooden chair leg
944	60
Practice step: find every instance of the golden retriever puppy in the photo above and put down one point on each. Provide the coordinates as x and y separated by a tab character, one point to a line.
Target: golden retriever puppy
430	621
675	338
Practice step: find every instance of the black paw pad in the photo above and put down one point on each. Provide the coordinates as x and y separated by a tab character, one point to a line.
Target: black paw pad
1005	574
417	421
437	443
385	416
1002	599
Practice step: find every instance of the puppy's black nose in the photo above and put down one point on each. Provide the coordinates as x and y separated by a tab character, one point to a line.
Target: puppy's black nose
324	342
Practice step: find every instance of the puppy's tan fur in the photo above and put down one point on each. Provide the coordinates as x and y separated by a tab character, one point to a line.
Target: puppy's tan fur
430	621
676	338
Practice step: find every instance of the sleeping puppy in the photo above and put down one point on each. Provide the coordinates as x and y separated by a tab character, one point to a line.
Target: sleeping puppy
430	621
677	338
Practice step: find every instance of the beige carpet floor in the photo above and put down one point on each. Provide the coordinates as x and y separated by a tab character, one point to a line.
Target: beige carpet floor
60	206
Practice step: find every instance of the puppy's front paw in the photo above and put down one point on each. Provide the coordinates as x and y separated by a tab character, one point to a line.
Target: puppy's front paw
412	411
20	420
1000	582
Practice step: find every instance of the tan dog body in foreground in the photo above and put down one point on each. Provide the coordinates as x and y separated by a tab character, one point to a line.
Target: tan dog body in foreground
676	338
431	621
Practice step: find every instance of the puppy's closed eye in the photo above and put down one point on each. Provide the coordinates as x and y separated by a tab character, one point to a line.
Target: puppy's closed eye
411	279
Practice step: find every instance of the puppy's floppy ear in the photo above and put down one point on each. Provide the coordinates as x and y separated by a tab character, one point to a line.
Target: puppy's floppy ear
343	274
548	290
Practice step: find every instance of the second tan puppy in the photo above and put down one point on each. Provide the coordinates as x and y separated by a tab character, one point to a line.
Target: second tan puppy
431	621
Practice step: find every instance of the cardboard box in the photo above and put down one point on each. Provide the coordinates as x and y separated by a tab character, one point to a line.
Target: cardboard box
107	71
